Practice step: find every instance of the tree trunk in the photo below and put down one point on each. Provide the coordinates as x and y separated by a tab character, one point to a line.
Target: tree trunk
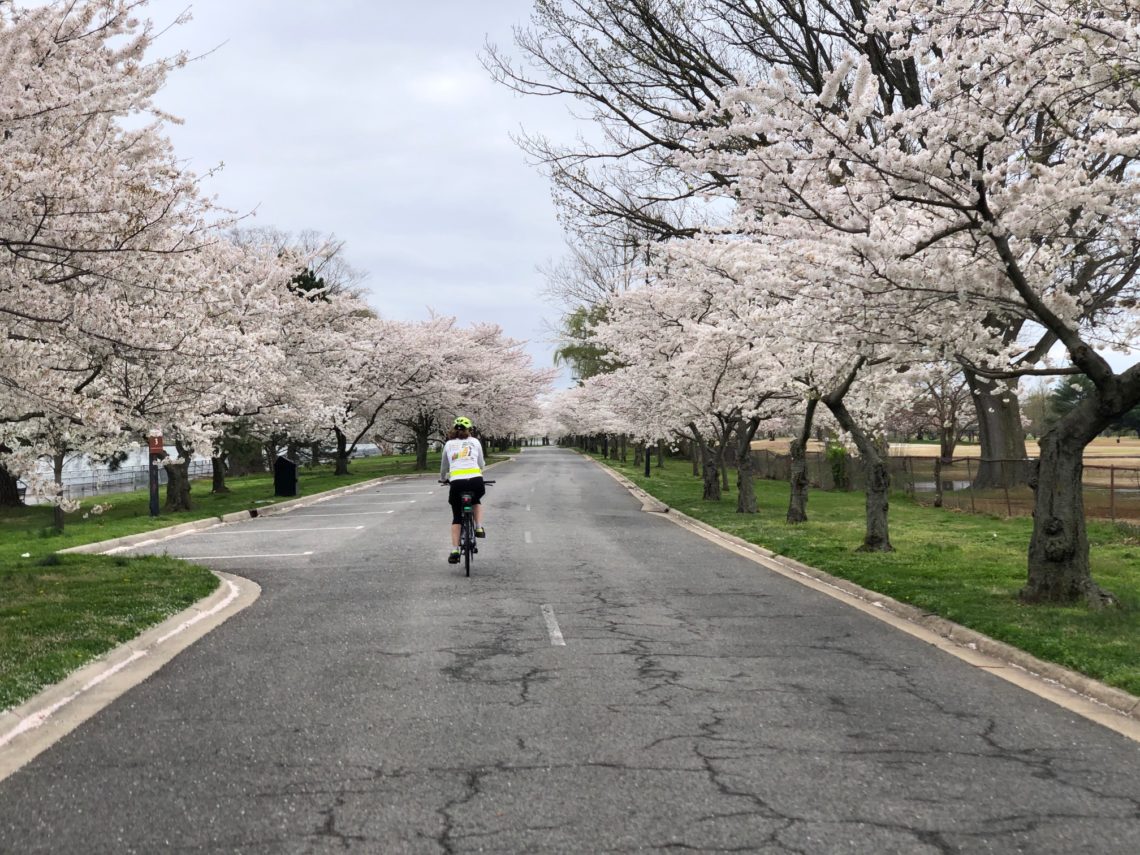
874	459
661	454
947	442
314	454
341	467
1004	461
695	458
1059	570
710	473
57	471
9	490
745	486
177	482
270	455
722	462
797	502
422	439
218	463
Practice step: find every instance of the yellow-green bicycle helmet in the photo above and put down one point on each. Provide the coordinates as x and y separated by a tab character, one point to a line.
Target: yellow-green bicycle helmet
463	422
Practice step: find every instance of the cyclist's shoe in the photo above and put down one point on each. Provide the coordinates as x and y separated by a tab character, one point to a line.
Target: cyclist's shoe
453	558
479	532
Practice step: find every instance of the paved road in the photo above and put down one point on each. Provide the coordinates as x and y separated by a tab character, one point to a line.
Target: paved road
375	700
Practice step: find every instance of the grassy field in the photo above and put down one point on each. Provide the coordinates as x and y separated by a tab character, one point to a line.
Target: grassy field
967	568
58	612
1102	451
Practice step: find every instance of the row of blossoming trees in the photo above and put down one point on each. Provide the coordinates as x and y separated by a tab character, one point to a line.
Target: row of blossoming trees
129	301
827	197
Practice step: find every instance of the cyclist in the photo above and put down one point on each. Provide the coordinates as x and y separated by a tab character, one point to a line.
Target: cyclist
462	465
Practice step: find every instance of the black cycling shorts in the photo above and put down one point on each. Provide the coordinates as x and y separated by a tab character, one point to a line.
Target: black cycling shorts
474	486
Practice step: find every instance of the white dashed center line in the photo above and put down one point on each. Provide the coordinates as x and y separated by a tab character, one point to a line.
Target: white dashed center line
556	638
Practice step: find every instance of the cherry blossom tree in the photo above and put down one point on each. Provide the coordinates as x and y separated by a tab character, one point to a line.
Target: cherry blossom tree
98	221
654	77
1011	187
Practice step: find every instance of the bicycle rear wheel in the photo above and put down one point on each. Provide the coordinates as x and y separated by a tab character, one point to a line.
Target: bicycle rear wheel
468	542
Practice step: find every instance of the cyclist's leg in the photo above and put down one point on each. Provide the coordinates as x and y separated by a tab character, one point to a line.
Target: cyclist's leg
480	492
453	499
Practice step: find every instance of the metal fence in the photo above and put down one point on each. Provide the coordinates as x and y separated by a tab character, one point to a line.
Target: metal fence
1111	492
123	480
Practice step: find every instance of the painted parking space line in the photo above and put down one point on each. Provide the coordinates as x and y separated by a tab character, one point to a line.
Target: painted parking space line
246	531
253	555
526	537
373	504
556	638
349	514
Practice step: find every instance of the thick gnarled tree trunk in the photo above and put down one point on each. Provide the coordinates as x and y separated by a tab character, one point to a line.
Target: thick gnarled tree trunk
797	502
9	490
745	479
341	464
218	471
878	476
710	473
178	480
1004	461
1059	570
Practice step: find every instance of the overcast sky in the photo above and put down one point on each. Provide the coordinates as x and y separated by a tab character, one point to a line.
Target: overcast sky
374	120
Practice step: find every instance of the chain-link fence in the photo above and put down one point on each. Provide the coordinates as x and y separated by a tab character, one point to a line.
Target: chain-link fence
1111	492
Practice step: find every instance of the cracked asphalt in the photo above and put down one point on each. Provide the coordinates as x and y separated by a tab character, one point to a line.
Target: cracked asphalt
376	700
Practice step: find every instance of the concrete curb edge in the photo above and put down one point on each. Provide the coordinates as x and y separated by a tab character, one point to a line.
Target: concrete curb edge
33	726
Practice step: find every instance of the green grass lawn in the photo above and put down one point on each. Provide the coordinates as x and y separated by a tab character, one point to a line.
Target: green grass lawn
58	612
964	567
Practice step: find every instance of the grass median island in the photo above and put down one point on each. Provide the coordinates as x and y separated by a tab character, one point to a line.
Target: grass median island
966	568
58	612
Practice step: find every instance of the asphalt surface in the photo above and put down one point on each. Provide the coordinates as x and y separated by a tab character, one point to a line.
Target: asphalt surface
376	700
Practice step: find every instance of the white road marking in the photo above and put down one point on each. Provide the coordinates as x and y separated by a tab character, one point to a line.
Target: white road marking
351	514
374	504
280	530
526	537
556	638
256	555
528	507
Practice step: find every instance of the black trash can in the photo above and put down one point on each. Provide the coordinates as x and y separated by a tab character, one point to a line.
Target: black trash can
284	477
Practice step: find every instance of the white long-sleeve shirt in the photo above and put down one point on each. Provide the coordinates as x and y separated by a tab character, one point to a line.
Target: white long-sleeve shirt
461	458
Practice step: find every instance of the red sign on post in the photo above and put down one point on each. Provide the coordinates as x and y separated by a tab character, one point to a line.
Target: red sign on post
154	441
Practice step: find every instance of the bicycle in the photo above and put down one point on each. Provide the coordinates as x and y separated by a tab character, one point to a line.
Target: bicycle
467	545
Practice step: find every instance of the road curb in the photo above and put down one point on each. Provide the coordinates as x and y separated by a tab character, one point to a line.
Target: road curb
35	725
1118	701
